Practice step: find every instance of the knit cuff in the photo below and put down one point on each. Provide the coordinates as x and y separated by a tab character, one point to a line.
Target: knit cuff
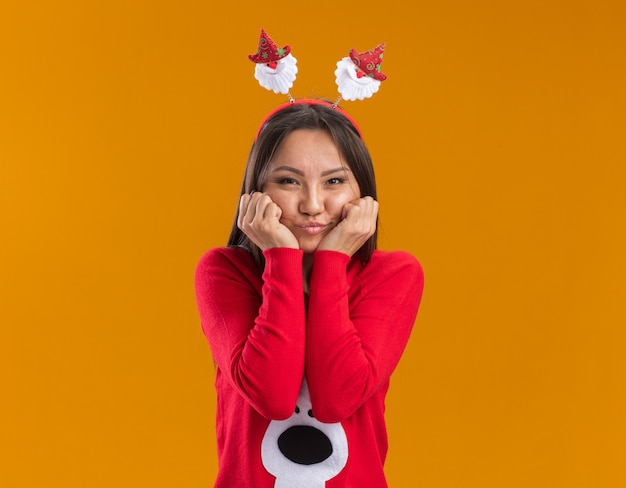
282	262
329	267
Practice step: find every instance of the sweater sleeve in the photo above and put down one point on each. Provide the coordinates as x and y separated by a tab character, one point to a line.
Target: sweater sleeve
356	332
257	339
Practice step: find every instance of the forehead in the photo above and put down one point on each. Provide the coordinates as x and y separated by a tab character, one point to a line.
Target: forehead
307	147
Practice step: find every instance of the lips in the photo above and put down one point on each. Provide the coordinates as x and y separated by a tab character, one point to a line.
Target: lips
313	228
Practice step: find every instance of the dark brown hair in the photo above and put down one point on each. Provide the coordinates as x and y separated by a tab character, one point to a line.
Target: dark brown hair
275	130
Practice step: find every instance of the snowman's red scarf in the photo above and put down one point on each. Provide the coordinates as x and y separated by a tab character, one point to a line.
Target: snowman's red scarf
307	101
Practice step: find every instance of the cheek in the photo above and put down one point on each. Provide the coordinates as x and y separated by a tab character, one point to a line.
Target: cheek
353	193
337	202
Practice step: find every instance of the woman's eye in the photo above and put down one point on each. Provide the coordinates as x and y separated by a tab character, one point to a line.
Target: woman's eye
335	181
287	181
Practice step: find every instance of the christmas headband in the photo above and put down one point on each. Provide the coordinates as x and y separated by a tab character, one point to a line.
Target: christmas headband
358	76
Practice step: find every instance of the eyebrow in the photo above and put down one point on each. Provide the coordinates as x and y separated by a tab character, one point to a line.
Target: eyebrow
301	173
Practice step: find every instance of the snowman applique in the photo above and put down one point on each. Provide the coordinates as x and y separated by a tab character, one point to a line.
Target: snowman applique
302	452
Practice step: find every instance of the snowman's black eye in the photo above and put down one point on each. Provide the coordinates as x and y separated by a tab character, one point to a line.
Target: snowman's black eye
310	412
297	409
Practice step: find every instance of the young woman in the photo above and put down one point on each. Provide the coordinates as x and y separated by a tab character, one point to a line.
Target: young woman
306	320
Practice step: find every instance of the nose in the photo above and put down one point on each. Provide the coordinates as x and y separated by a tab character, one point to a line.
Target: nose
312	202
304	444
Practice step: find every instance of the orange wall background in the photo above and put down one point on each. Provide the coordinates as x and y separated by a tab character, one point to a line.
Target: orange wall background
499	145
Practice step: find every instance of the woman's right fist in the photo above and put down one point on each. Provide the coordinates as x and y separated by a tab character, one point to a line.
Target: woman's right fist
259	219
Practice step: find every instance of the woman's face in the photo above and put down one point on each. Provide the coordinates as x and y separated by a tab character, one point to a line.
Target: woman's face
310	182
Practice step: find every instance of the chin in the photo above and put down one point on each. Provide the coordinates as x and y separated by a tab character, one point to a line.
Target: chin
309	246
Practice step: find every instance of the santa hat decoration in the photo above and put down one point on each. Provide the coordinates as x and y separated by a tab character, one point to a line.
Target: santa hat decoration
369	62
267	51
358	76
275	66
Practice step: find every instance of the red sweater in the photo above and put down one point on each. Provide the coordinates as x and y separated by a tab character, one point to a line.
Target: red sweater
273	431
